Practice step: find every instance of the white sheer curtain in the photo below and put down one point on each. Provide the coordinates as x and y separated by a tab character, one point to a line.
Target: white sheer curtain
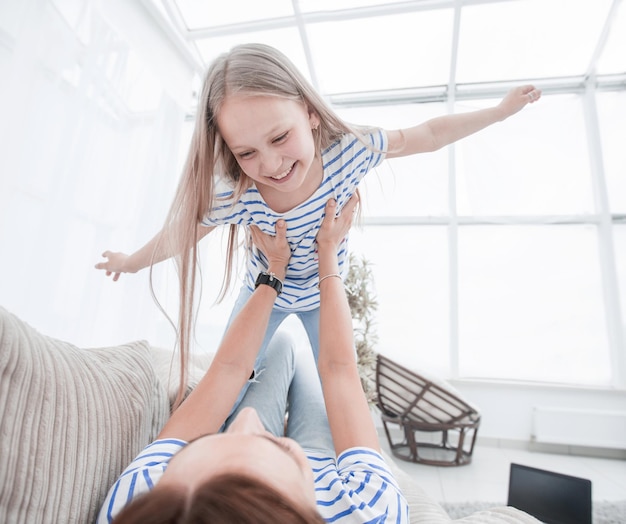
93	101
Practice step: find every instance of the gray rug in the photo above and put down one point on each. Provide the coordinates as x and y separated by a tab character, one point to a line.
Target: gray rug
603	512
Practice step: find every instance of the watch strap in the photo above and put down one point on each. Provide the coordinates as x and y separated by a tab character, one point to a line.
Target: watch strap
269	279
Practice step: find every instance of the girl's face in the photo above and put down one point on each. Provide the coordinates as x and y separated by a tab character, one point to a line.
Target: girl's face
245	448
272	140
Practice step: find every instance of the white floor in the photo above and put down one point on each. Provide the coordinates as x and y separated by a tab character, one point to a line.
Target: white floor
486	478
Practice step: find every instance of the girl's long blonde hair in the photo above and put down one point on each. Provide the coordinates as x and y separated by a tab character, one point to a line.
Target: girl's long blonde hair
249	69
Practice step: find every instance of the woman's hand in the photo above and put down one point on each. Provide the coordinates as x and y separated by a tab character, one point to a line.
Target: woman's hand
335	226
275	248
517	98
115	264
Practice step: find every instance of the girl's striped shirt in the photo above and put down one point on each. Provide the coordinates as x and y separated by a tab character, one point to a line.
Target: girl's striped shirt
345	163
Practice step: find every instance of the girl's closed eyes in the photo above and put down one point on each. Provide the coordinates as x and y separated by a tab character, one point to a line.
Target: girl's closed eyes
277	141
281	138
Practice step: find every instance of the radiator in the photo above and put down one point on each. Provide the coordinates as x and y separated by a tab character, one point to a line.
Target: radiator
580	427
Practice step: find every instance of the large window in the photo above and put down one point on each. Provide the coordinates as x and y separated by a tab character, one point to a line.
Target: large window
503	256
500	257
493	259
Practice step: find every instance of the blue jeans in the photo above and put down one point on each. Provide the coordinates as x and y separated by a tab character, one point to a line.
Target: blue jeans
289	383
310	320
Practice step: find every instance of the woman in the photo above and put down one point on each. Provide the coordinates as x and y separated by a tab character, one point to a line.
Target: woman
331	470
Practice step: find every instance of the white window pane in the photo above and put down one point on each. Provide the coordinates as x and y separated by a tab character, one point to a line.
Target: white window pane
530	304
613	58
409	186
612	117
333	5
528	39
410	271
619	244
285	40
385	52
534	163
200	13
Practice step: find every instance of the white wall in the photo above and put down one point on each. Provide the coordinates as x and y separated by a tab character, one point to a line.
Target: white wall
507	409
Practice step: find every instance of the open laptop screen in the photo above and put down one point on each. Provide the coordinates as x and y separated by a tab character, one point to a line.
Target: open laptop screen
553	498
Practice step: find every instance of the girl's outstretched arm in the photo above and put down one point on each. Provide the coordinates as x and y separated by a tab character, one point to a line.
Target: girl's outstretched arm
154	251
348	412
444	130
207	406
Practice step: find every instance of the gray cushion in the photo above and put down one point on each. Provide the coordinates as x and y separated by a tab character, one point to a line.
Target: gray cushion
71	419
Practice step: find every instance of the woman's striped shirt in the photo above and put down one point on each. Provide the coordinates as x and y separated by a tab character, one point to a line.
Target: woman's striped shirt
357	487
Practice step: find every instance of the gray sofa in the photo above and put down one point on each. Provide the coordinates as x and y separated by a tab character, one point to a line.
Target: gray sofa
72	418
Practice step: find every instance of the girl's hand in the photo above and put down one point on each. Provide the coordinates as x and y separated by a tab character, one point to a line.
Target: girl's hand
275	248
335	226
517	98
116	264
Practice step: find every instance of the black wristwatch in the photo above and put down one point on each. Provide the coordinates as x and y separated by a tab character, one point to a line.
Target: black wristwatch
269	279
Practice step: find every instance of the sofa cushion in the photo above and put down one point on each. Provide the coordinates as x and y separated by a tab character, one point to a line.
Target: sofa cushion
167	368
423	509
71	419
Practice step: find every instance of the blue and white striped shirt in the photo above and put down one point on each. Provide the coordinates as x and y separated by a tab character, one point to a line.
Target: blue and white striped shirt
357	487
345	163
139	477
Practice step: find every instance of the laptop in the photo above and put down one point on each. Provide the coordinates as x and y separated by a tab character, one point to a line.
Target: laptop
553	498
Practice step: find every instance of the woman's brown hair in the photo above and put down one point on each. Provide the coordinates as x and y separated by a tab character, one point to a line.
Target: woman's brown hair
224	499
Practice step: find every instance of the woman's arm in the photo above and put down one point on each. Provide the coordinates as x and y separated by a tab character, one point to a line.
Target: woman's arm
444	130
207	406
347	408
154	251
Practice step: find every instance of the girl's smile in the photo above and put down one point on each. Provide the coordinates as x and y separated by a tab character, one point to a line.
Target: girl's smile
271	139
283	176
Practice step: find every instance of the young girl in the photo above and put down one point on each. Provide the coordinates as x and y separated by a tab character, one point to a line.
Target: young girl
267	147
